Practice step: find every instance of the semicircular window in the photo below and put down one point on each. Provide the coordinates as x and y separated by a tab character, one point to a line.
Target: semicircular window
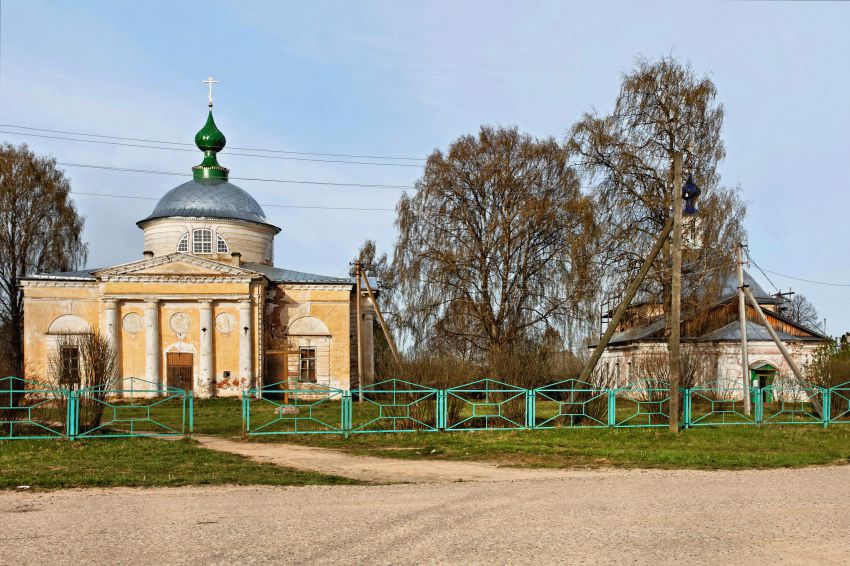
183	244
221	246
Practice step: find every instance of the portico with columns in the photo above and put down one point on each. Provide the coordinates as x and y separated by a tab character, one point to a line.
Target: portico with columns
204	308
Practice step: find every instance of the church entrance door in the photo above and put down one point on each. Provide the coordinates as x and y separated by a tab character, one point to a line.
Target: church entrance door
180	370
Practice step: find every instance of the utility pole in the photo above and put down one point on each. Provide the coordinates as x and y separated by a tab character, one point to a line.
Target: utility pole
357	271
673	345
384	326
630	293
742	318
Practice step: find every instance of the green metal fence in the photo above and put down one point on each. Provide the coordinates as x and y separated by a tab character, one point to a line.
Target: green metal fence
570	403
639	406
138	408
394	405
837	400
486	404
295	407
715	406
30	409
778	405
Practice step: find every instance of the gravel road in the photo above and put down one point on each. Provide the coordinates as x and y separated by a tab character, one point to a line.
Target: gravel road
638	517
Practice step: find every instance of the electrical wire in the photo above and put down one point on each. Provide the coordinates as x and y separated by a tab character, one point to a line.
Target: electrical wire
258	179
230	153
800	278
287	152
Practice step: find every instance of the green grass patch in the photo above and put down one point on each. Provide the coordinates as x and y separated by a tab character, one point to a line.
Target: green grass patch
704	448
137	462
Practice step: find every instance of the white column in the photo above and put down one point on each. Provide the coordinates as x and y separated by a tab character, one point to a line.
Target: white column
368	345
205	379
110	329
246	336
152	361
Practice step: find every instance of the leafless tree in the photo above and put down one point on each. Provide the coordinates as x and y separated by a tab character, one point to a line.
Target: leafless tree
40	231
89	361
494	245
663	107
802	311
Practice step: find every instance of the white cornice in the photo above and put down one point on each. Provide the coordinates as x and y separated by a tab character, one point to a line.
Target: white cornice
177	257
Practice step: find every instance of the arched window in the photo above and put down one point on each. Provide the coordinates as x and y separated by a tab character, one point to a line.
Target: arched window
183	244
221	246
270	251
202	241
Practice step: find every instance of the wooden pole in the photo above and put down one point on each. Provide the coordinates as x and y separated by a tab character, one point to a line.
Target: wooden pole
384	326
785	354
673	344
742	318
627	299
357	272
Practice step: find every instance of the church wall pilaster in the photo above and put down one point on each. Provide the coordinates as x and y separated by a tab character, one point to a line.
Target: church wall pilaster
152	363
205	377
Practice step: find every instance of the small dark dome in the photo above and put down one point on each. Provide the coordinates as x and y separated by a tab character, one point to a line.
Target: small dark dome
209	198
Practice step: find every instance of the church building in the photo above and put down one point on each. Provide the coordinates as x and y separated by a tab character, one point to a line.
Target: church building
204	308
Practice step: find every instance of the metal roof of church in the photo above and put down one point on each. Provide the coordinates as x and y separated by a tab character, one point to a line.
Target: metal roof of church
209	198
275	274
278	275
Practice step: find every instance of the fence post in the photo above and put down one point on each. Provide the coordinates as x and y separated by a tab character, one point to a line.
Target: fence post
826	405
69	414
612	407
686	407
191	412
243	402
530	408
759	404
346	413
441	409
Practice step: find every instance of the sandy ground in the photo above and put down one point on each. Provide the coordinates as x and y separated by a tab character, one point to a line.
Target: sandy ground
369	468
637	517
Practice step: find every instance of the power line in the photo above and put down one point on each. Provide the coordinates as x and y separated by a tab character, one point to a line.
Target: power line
287	152
268	205
259	179
144	146
800	278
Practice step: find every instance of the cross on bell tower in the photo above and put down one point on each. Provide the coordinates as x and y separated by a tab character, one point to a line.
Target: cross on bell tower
210	81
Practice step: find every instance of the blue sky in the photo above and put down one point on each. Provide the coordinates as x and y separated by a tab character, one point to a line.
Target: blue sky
402	78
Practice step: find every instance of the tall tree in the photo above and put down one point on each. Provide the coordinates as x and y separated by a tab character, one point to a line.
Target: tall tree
41	231
495	244
662	108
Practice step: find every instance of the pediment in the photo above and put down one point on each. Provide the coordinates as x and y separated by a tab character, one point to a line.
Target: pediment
176	264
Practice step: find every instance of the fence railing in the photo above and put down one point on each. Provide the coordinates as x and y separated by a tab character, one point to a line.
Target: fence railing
30	409
393	405
295	407
137	408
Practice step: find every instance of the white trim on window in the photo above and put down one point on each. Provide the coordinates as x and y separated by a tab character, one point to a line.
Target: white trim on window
183	244
202	241
221	245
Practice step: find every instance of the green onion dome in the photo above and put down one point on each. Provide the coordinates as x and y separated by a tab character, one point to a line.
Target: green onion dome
210	140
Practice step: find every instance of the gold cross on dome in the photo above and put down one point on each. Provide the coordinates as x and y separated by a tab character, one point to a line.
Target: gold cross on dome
210	81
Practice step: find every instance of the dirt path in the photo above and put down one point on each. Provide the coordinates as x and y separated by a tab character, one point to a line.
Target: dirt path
370	468
616	517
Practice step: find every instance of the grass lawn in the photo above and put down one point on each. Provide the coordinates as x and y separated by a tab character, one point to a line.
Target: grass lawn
704	448
48	464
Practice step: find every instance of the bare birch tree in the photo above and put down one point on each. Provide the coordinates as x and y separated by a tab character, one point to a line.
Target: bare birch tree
663	107
40	231
494	245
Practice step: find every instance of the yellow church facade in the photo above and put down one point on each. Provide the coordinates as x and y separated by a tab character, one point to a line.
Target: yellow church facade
205	308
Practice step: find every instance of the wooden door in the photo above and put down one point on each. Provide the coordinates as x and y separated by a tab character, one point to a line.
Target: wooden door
179	371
